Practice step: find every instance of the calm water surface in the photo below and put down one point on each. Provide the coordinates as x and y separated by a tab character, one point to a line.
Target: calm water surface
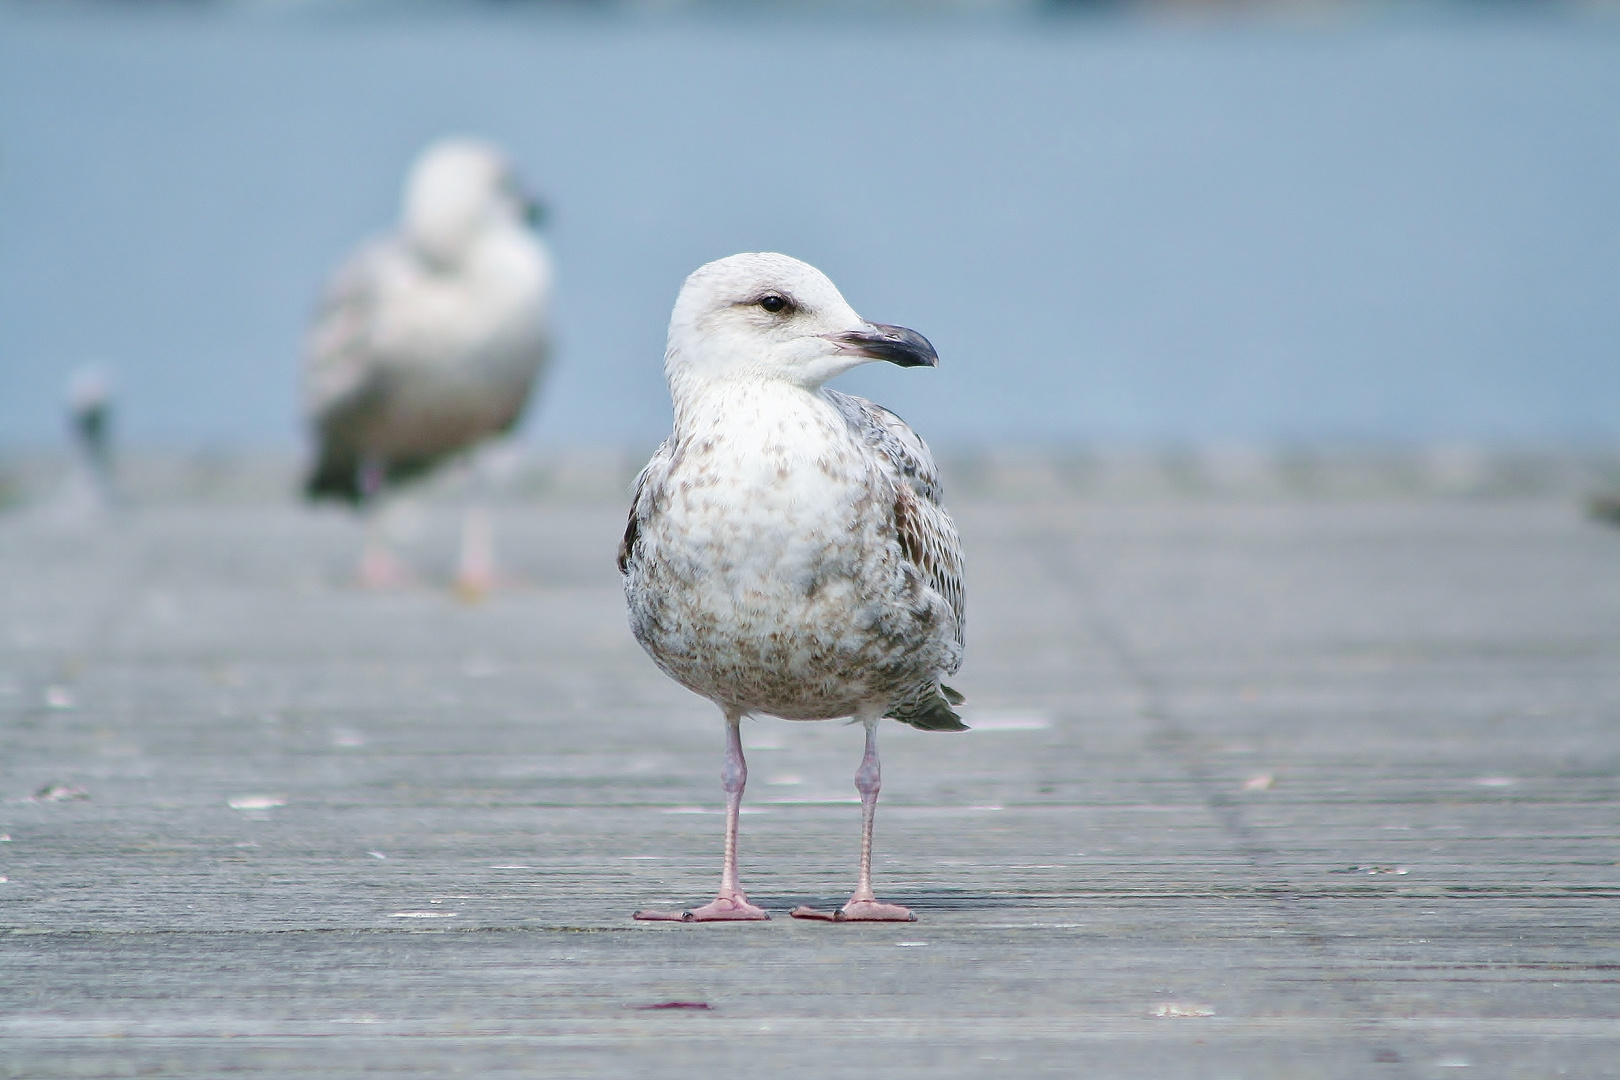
1112	229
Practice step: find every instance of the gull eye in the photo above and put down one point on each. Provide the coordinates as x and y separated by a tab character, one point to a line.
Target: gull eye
773	303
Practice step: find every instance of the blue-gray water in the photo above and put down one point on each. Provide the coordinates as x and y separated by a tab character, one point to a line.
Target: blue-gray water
1358	229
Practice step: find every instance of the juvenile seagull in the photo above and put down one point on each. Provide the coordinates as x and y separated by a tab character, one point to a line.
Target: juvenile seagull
787	552
428	342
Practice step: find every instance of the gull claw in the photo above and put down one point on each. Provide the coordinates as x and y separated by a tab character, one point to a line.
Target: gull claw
857	911
720	909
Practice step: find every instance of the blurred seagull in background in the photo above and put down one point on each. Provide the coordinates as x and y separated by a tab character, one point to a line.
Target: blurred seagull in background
428	343
89	409
787	552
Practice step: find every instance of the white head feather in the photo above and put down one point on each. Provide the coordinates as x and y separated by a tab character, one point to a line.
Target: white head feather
458	191
766	316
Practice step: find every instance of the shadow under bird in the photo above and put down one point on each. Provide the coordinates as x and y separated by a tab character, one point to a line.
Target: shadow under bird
427	343
787	551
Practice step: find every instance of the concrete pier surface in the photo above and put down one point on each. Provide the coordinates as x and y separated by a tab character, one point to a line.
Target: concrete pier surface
1260	785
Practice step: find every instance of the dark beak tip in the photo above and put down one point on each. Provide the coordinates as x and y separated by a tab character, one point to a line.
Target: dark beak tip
895	344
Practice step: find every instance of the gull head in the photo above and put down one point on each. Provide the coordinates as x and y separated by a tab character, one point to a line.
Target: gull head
765	316
458	191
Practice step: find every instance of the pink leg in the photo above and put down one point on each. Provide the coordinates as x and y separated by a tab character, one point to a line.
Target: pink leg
864	906
731	904
475	575
379	569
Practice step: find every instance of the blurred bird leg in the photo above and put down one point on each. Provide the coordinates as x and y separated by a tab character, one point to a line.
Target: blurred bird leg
475	570
379	568
475	573
864	906
731	905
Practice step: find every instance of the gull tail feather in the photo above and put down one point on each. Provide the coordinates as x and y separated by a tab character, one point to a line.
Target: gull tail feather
932	712
334	476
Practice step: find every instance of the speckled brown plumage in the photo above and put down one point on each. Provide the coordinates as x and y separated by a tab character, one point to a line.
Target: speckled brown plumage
787	552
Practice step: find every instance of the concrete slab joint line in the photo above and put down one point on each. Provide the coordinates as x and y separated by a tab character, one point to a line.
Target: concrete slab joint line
1172	737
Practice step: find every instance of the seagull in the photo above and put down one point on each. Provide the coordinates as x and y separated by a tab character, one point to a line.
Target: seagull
428	343
90	408
787	551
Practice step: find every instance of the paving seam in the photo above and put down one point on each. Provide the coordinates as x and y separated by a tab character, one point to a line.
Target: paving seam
132	564
1171	738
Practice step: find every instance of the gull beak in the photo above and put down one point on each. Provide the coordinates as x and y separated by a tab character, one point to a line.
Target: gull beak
896	344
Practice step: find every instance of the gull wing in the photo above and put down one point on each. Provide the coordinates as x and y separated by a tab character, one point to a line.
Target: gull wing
649	485
343	375
340	355
927	533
